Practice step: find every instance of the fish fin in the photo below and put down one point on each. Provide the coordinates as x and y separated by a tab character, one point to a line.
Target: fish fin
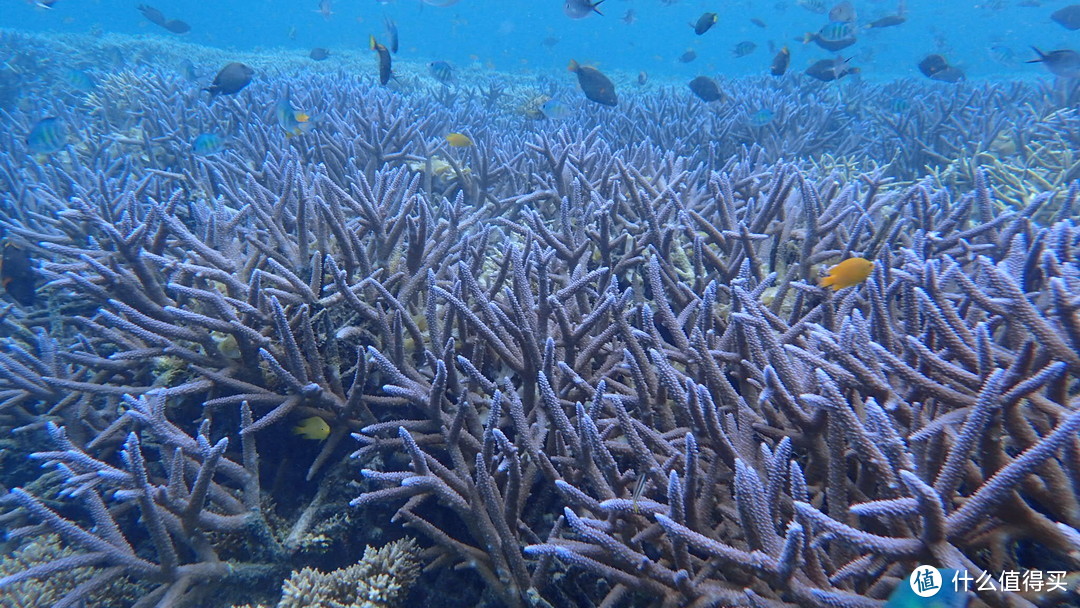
596	10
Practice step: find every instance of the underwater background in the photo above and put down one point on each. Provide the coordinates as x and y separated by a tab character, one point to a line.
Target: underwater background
464	303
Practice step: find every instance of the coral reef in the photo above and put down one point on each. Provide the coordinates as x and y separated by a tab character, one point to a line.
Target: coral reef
583	362
381	579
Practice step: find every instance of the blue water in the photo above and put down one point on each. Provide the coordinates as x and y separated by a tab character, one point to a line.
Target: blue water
507	34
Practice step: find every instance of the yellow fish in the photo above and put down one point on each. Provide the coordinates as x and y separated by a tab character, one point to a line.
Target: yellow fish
458	140
851	271
313	428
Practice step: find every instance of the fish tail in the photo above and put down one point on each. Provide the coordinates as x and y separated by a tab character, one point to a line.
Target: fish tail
1042	56
573	66
371	41
828	281
596	10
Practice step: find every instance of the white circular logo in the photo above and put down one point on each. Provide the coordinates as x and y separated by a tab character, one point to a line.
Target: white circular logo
925	581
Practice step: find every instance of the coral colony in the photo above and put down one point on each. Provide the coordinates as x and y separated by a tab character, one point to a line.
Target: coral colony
583	362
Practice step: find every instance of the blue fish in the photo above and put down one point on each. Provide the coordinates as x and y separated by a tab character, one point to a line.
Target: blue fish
946	597
761	118
442	71
208	144
554	109
79	80
47	136
293	121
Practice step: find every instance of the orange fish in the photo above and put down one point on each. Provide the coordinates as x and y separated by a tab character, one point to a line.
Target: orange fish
851	271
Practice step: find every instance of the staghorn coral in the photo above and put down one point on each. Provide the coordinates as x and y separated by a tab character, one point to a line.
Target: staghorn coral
621	300
381	579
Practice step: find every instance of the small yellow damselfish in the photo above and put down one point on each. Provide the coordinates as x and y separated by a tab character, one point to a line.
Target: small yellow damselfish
314	428
458	140
851	271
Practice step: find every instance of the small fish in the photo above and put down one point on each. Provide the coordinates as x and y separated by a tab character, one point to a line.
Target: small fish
834	36
1003	54
17	274
550	41
49	135
948	596
594	84
189	71
314	428
630	17
761	118
886	21
208	144
292	32
780	62
291	120
851	271
79	80
843	11
385	71
706	89
325	9
814	6
1064	63
554	109
828	70
231	79
642	78
1067	17
744	48
319	54
758	22
391	35
579	9
457	140
936	67
45	4
639	491
705	22
442	71
688	56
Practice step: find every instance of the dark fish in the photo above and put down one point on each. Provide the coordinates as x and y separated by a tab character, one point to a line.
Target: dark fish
828	70
152	14
384	60
887	21
630	17
642	78
1064	63
595	85
176	26
758	22
936	67
743	49
17	274
391	35
231	79
781	62
45	4
318	53
550	41
1067	17
688	56
706	89
442	71
705	22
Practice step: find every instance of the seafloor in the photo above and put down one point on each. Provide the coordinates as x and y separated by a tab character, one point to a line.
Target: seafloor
582	362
